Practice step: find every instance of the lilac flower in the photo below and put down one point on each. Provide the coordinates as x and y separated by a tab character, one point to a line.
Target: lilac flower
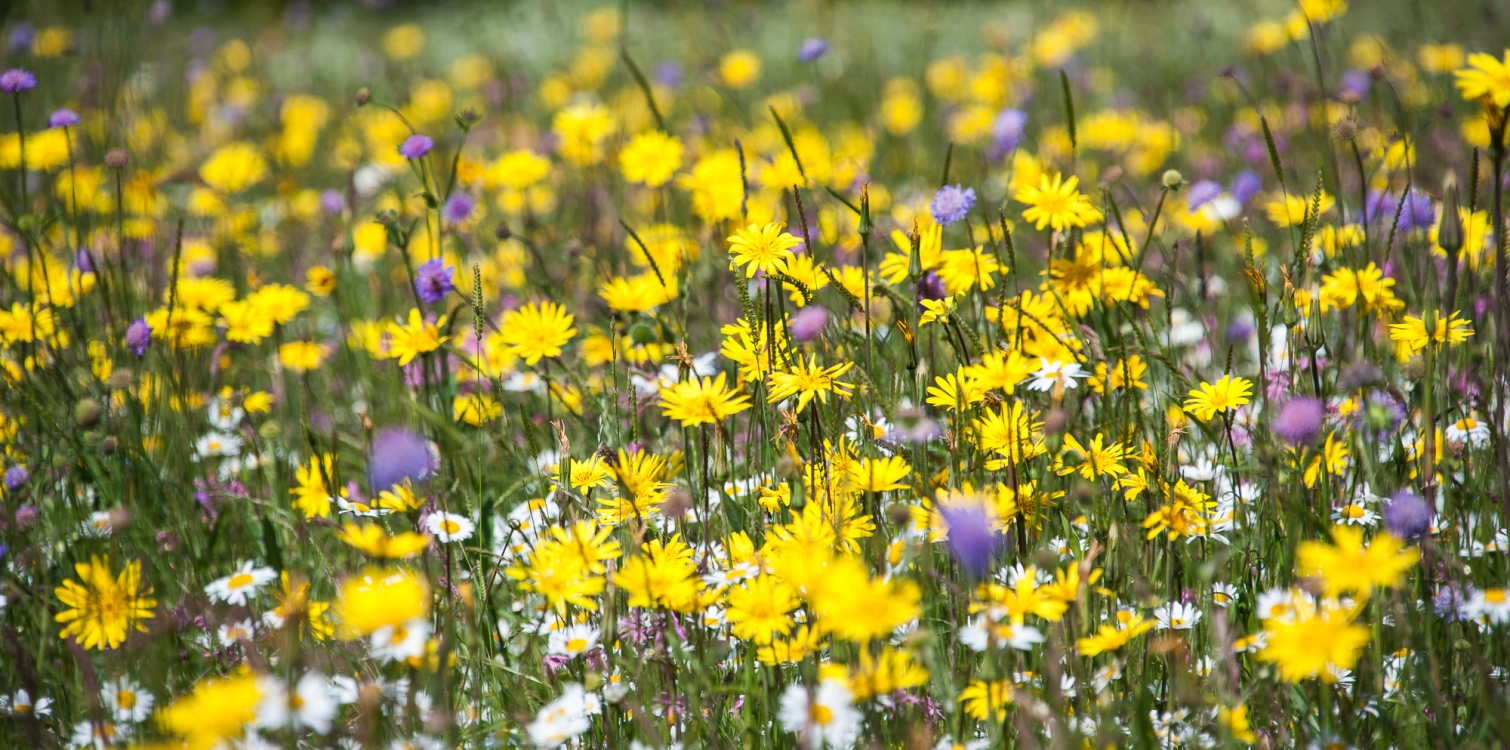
397	454
1244	186
1418	212
458	207
139	336
1379	206
22	36
668	73
416	146
82	262
27	514
951	203
63	118
16	80
433	280
1202	192
16	476
1408	516
913	426
1006	129
971	539
930	286
1299	421
333	202
1354	86
812	48
809	322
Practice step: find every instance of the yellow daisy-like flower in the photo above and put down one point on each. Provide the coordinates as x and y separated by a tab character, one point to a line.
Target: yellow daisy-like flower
102	608
707	401
807	381
418	337
1485	77
1290	210
1448	330
234	168
536	331
651	158
936	311
374	542
765	248
1347	566
301	356
1057	202
1222	396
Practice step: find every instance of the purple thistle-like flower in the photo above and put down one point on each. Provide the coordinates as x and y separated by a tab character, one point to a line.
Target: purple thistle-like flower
1382	413
1299	421
1379	206
971	539
809	322
1418	212
63	118
82	262
952	203
26	515
1006	129
1245	185
397	454
16	80
416	146
1408	515
1449	601
16	476
913	426
333	202
1354	87
139	336
433	280
812	48
22	36
1202	193
930	286
668	73
458	207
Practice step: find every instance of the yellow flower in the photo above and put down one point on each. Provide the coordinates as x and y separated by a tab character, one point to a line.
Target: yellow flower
1449	330
517	169
245	323
103	609
301	356
419	336
582	128
1485	77
1098	461
476	408
374	542
955	392
739	68
706	401
311	490
404	41
936	311
378	597
807	381
320	281
1225	395
536	331
219	709
280	301
1057	202
759	609
714	183
637	293
1308	643
1346	566
1111	638
1186	512
1290	210
234	168
879	474
651	158
764	248
664	576
986	701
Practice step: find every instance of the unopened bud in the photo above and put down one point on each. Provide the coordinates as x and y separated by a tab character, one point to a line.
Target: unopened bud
87	412
120	379
502	232
117	158
1345	130
899	514
1450	229
109	445
1172	179
364	95
678	501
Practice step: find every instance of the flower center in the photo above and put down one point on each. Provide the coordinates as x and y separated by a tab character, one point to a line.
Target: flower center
126	699
240	580
822	714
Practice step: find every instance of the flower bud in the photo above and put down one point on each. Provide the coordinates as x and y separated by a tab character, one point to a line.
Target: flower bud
1172	179
117	158
87	412
364	95
1450	230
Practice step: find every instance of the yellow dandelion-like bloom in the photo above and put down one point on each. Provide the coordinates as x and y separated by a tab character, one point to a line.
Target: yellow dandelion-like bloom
1485	77
765	248
1057	202
103	609
536	331
1224	395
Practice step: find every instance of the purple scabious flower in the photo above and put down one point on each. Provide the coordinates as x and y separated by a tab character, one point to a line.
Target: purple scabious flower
1202	193
1245	185
63	118
138	336
1382	414
1408	515
1379	206
416	146
16	80
16	476
951	203
22	36
433	280
397	454
971	539
668	73
1299	421
1006	129
458	207
809	322
812	48
1354	86
930	286
333	202
82	262
1417	213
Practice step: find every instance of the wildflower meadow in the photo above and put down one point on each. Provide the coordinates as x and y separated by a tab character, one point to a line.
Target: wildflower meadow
802	374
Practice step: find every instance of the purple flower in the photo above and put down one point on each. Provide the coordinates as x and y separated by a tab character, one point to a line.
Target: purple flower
1202	192
397	454
951	203
1408	515
1379	206
1299	421
812	48
139	336
1354	86
1006	129
26	515
971	539
333	202
82	262
16	476
458	207
16	80
809	322
433	280
1449	602
930	286
21	37
1382	413
1245	185
668	73
416	146
63	118
913	426
1418	212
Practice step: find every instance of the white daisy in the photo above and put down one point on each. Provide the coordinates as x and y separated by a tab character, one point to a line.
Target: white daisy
1490	604
231	633
564	718
450	527
1223	594
400	642
312	705
359	509
126	700
822	715
99	524
980	634
1050	374
218	444
21	703
572	640
1468	431
1177	616
237	587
